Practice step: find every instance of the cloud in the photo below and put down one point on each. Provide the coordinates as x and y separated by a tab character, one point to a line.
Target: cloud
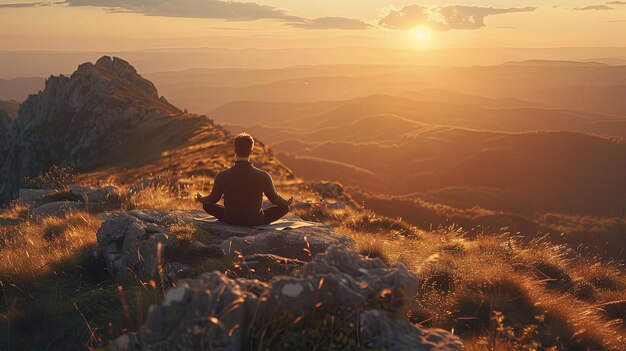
331	23
616	3
30	4
594	8
442	18
214	9
210	9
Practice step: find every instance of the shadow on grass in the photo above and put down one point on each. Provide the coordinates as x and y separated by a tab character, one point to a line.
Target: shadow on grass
74	306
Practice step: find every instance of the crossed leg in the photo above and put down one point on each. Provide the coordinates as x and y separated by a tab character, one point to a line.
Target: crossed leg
214	210
270	214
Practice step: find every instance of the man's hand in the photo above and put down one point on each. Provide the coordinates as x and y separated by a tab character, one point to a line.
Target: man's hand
198	197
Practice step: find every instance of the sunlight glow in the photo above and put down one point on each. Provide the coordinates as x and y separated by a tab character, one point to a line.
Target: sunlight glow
421	34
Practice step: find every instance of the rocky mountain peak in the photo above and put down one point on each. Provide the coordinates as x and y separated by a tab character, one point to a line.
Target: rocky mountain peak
122	71
103	114
110	82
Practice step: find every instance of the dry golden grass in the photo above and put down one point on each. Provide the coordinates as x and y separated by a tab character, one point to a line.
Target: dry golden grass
494	291
162	198
466	283
16	210
26	253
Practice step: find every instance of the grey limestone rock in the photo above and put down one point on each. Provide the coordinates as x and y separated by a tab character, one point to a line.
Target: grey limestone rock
358	301
34	196
130	245
57	209
128	240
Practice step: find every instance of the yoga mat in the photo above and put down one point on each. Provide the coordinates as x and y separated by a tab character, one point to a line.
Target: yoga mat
278	225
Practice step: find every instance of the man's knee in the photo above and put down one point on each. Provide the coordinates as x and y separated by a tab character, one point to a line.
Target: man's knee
214	210
275	213
284	209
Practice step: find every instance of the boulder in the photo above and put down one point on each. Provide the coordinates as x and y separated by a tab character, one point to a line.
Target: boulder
57	209
34	196
174	270
79	190
128	240
108	198
340	299
302	244
129	244
214	251
101	195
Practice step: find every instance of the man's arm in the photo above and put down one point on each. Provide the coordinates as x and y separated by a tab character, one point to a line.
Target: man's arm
272	195
216	193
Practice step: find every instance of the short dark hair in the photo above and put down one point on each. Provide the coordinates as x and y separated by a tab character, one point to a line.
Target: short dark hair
243	144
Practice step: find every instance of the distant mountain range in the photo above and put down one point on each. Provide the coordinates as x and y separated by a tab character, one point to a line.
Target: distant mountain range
41	63
588	86
10	108
408	112
483	146
18	89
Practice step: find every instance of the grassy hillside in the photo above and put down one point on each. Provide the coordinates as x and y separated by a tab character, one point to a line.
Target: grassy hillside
495	291
602	236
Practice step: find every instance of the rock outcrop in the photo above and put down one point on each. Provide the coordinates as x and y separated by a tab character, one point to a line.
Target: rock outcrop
5	122
57	209
128	241
8	112
58	203
339	300
104	114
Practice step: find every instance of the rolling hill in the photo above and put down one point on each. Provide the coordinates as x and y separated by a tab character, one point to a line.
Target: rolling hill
534	172
10	108
18	89
588	86
465	112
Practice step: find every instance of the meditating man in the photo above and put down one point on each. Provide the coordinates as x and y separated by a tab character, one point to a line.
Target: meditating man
243	186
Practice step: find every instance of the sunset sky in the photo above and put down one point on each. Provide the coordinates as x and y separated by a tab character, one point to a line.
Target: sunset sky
139	24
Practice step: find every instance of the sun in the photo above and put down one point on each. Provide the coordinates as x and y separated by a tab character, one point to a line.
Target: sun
421	34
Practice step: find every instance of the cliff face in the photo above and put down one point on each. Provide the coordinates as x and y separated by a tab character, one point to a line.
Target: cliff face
83	121
104	115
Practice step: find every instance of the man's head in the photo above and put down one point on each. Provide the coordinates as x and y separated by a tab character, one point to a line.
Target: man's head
244	143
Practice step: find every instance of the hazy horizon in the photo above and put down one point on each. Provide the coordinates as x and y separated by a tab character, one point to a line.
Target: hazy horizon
43	63
168	36
280	23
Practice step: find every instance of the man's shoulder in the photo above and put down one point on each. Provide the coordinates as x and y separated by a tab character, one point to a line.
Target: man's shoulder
223	173
261	172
